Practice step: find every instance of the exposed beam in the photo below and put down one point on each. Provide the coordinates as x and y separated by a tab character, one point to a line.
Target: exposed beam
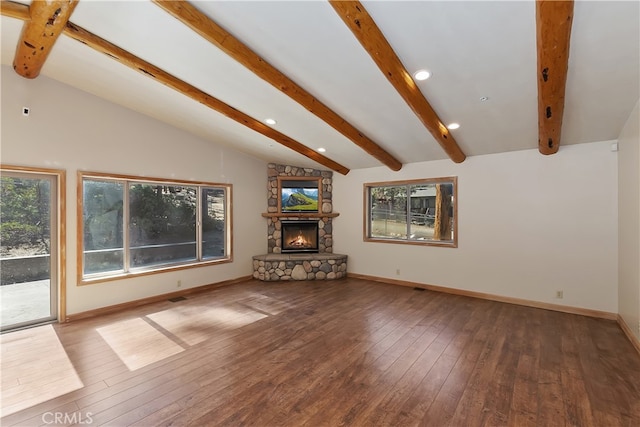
553	34
196	94
218	36
371	38
39	33
15	10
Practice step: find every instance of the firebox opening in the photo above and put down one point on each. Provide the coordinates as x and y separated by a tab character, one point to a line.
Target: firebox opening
299	236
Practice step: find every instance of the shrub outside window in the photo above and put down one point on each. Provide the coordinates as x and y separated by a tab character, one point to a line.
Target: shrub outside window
422	212
131	225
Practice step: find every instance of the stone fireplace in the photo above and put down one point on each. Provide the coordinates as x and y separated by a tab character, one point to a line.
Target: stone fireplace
324	215
299	236
299	239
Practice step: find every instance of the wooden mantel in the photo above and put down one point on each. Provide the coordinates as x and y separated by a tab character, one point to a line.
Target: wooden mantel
299	215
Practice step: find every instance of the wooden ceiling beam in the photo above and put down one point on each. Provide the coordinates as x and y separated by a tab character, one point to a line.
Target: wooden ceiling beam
47	19
371	38
20	11
218	36
553	35
15	10
150	70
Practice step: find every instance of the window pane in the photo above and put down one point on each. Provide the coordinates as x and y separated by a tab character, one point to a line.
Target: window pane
102	219
24	206
213	223
138	226
388	212
25	252
162	224
423	204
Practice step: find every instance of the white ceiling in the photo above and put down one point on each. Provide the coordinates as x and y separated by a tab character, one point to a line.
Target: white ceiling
473	48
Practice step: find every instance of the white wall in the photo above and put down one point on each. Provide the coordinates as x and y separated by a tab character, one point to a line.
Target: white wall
629	222
528	225
72	130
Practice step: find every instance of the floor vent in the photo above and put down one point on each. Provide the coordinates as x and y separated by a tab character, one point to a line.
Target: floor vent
176	299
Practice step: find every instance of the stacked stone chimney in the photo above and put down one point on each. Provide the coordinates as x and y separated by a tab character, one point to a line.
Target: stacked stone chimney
325	226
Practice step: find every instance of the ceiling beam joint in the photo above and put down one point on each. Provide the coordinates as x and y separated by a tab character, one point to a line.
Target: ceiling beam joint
47	20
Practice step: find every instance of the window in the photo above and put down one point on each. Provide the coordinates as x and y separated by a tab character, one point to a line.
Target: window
133	225
415	212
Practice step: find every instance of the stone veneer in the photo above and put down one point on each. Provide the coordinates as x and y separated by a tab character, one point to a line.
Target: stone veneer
325	226
324	265
273	267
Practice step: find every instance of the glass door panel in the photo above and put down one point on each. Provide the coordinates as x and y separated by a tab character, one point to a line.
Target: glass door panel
28	254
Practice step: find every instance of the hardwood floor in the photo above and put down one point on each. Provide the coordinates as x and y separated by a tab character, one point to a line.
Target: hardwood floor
349	352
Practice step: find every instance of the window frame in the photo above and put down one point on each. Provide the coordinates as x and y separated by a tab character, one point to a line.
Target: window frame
128	270
367	214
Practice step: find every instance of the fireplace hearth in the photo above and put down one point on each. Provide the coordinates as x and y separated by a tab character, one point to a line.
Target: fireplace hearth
299	236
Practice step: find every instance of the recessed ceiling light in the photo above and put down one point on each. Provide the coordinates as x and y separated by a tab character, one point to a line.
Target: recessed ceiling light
422	75
452	126
270	122
321	150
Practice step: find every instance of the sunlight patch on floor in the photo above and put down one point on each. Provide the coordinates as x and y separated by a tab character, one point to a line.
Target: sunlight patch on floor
35	368
137	343
265	304
195	324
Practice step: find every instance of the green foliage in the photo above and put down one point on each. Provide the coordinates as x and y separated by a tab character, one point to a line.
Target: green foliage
162	213
24	211
300	202
15	233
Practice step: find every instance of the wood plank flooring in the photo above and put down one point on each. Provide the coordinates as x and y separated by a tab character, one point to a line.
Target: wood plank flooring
348	352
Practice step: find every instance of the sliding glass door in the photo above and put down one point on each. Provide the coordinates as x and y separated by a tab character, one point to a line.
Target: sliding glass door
28	248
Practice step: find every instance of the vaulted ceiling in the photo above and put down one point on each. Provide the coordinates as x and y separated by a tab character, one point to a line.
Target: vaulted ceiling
334	74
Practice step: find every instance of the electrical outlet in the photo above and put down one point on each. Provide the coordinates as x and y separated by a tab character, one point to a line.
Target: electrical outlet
397	271
179	283
559	294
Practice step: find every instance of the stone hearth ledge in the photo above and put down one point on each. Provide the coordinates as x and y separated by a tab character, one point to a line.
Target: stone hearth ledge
309	266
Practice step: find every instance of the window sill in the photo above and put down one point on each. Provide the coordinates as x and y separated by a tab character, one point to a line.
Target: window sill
445	244
123	276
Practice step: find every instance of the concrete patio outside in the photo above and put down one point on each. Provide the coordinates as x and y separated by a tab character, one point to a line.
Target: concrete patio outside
21	302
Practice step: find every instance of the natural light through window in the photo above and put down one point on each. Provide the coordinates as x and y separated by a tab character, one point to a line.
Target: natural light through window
137	343
130	225
195	324
419	212
35	368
